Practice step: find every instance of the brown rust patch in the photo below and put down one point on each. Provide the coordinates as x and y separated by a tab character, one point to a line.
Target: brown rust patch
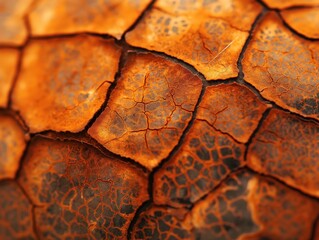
12	145
284	67
204	160
232	109
206	34
148	110
288	148
16	213
81	193
8	65
64	81
111	17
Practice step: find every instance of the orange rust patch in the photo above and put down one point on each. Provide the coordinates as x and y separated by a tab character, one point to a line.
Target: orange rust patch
12	25
290	3
81	192
206	34
12	145
148	110
64	81
288	148
8	63
303	20
16	213
248	206
111	17
284	67
204	160
232	109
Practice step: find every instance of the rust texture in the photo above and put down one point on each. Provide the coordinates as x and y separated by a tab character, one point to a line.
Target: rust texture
284	67
12	145
148	110
80	192
243	207
64	91
287	147
97	16
159	119
16	213
8	64
12	24
299	18
189	31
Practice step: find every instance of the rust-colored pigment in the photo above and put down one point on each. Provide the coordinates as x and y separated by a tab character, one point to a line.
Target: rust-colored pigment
159	119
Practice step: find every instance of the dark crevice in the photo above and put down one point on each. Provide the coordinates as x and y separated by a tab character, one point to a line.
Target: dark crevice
222	81
260	123
147	9
251	32
110	90
138	212
16	76
178	146
269	176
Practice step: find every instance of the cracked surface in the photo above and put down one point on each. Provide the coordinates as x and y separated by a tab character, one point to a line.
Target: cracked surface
281	4
79	192
204	160
81	70
67	16
232	109
290	153
243	207
188	31
16	213
12	24
106	136
148	110
12	145
305	21
284	67
8	62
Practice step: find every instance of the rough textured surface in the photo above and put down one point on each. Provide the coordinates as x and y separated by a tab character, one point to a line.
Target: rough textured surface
232	109
188	31
81	192
288	148
110	127
12	145
243	207
8	66
12	23
111	17
305	21
148	110
280	4
81	70
16	213
284	67
204	160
